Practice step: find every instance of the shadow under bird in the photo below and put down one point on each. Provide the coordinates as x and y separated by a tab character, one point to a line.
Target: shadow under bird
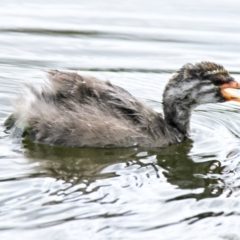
82	111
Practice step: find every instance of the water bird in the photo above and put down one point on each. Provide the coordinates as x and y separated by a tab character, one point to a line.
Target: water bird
83	111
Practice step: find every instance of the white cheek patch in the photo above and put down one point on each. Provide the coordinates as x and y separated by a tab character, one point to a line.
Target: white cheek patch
189	86
200	92
208	98
178	91
204	94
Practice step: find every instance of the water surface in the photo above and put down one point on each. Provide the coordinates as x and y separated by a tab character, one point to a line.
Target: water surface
185	191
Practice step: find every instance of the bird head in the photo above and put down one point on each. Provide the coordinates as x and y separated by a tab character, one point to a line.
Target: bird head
196	84
200	83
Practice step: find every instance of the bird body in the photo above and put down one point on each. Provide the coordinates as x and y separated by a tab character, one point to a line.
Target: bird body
82	111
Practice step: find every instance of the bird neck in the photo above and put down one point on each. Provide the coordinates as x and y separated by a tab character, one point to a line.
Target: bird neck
178	116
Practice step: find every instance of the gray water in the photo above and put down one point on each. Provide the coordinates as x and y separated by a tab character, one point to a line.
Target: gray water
185	191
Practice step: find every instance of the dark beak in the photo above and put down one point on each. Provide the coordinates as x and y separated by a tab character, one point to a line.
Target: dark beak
228	96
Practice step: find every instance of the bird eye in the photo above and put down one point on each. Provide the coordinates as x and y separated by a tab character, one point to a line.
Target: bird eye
220	80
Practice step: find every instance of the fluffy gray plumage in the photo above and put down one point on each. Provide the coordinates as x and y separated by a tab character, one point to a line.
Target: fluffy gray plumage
76	110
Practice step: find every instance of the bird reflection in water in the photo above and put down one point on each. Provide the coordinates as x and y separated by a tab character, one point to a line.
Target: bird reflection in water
181	170
87	165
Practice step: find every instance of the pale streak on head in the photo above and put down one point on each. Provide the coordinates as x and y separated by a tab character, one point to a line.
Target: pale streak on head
214	72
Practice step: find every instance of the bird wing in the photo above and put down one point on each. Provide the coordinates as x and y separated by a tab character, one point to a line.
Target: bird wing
92	91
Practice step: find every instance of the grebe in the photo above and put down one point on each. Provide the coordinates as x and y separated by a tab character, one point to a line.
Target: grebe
76	110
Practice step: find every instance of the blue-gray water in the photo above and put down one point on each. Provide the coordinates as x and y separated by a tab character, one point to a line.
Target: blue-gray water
186	191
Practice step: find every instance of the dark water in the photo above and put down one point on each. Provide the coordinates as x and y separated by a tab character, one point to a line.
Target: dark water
186	191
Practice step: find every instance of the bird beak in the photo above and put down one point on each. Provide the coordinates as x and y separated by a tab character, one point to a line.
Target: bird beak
229	96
